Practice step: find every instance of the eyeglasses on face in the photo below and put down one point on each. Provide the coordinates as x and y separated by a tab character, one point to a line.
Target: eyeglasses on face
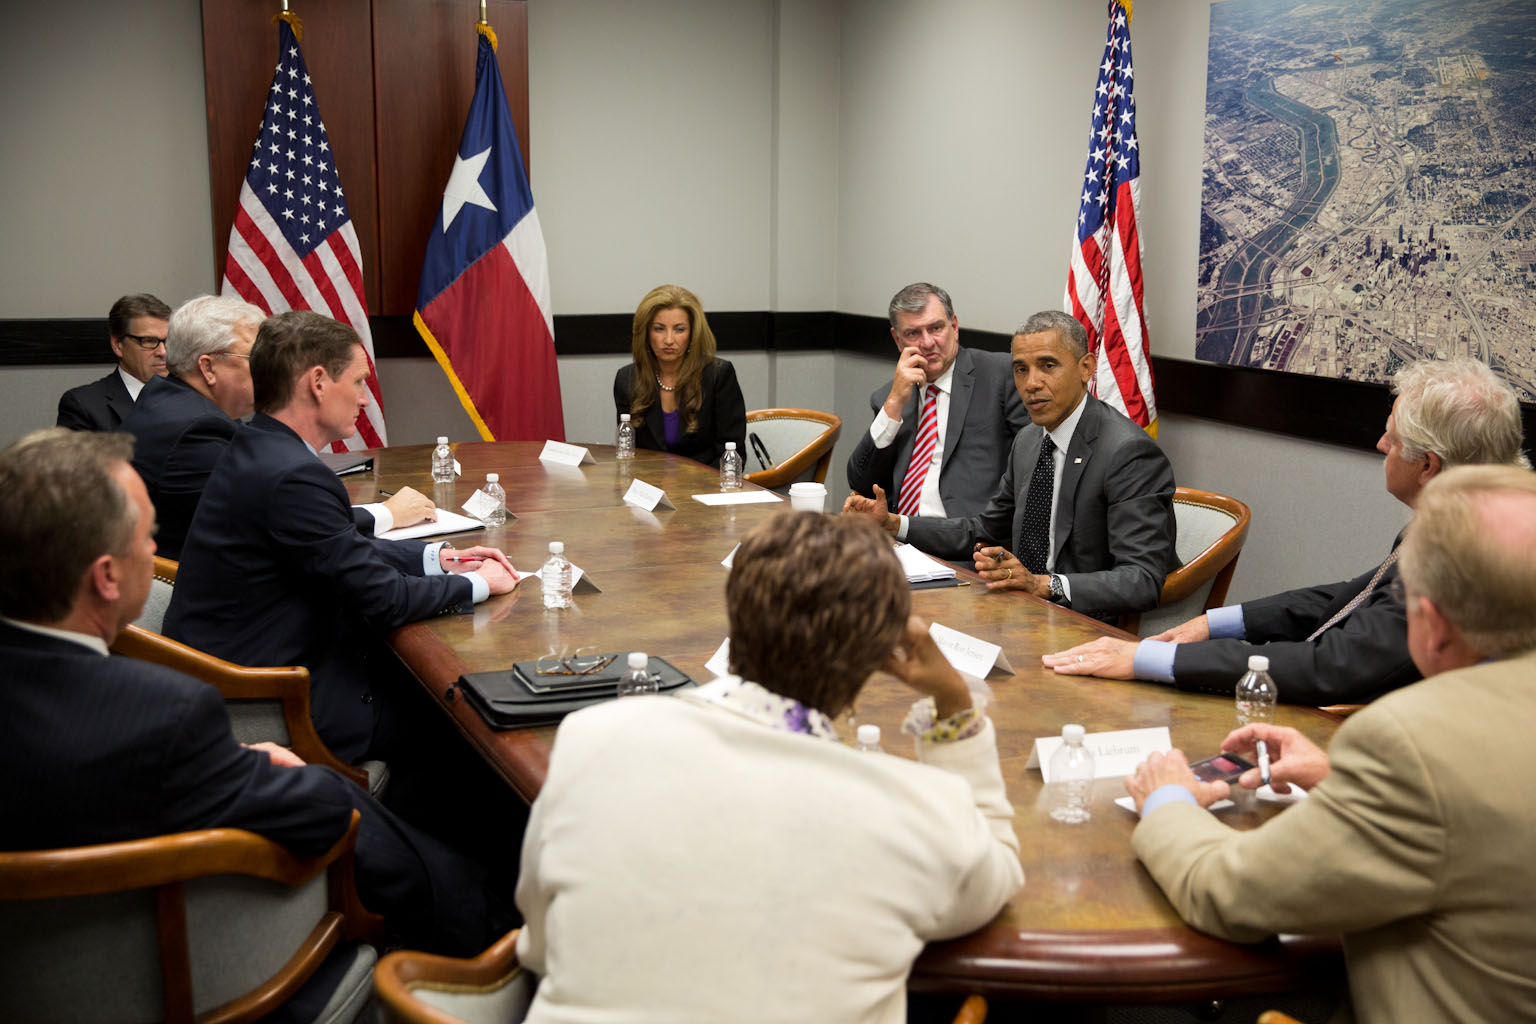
145	341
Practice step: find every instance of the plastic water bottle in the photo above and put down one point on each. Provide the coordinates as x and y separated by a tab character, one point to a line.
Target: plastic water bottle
868	739
730	468
1256	692
637	681
624	445
1071	777
556	577
442	462
493	490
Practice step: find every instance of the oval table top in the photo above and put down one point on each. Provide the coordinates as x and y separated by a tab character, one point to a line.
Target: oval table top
1089	924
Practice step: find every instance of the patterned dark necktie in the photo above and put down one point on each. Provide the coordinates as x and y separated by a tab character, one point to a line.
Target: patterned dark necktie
922	454
1035	534
1358	599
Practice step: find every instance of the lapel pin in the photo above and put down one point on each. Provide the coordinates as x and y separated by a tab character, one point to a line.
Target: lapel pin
1077	461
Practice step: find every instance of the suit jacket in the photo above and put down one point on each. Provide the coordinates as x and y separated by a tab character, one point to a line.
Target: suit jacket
799	876
105	749
179	435
1115	529
722	415
275	572
1417	846
985	414
100	405
1354	662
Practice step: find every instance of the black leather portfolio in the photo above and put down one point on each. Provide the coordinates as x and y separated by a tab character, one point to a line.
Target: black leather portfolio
520	697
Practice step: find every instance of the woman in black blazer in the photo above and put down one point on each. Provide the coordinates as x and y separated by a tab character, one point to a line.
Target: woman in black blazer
680	398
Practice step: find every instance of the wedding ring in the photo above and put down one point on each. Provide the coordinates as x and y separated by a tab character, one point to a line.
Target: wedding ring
1079	659
1010	573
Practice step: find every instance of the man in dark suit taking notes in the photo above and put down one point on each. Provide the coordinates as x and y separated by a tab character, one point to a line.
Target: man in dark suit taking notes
941	432
1083	515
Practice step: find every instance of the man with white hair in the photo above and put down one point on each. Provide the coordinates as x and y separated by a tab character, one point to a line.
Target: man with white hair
1415	841
1343	642
184	421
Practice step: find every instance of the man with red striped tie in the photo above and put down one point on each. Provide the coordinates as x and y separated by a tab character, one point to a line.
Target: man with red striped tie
941	432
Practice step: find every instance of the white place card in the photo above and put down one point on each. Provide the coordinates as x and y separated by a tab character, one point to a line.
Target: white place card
969	655
458	470
1114	753
446	522
646	496
581	583
480	505
561	454
720	662
736	497
730	559
1263	794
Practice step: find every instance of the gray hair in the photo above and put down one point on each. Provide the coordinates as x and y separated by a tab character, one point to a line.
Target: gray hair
1458	409
1065	325
205	326
914	299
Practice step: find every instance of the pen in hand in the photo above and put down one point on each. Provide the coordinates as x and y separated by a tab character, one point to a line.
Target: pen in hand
1263	751
463	558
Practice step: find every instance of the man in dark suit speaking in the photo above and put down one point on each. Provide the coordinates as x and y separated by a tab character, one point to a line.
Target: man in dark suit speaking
941	432
97	749
275	571
136	331
1083	515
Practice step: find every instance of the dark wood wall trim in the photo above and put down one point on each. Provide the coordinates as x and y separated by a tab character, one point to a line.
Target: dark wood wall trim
1349	413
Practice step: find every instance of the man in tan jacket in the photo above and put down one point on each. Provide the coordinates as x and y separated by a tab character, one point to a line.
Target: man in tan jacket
1416	841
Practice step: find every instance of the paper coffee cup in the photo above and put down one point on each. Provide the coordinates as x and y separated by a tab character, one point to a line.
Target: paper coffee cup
808	497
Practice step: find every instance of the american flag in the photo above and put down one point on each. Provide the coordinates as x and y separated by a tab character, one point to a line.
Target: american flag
292	245
1104	275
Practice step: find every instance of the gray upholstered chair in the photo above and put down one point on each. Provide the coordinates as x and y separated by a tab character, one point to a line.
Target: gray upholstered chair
1212	528
795	444
153	615
264	704
420	988
219	925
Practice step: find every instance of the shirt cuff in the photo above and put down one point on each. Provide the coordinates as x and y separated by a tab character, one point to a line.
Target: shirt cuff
1173	793
383	518
1153	661
482	588
1227	623
901	528
883	431
431	560
1066	586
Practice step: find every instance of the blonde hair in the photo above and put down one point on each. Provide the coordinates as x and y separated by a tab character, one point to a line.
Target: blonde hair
644	391
1480	571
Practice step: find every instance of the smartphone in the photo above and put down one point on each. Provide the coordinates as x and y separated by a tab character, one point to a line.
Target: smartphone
1221	768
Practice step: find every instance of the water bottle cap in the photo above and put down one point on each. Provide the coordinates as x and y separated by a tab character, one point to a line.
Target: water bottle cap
639	660
869	735
730	446
557	547
442	440
491	478
1258	663
623	417
1072	733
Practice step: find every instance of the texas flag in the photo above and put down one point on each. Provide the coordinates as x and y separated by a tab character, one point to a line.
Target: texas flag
483	306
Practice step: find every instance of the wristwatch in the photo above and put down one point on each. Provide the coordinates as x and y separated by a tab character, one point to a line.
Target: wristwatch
1059	592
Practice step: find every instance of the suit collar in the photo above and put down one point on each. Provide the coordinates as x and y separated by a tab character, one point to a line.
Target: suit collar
30	634
1089	418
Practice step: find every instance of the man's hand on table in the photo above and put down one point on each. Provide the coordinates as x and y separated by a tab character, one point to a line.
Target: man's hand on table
1107	657
1191	632
1292	757
489	563
1171	769
409	506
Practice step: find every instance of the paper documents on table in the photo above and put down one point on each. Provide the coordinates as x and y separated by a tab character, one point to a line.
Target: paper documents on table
736	497
447	522
919	567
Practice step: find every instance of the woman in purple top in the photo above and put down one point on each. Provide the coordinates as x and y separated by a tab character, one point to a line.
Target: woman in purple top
680	398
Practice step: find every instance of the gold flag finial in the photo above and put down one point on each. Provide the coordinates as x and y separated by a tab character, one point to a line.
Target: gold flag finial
1127	5
292	19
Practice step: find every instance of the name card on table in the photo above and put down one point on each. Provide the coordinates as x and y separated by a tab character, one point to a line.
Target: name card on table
646	496
480	505
720	662
969	655
730	559
561	454
581	583
736	497
1114	753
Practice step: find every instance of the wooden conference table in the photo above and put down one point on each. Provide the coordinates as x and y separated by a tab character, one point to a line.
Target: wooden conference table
1089	923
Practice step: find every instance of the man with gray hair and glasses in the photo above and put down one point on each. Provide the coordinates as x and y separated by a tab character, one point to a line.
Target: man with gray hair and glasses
1345	642
136	332
942	429
184	421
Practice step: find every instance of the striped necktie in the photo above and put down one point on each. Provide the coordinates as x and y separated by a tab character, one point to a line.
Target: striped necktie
1358	599
922	454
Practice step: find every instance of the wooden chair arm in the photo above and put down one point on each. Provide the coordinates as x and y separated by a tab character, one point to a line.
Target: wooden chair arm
398	972
818	453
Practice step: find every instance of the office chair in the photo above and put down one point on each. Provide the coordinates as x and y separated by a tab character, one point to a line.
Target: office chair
1211	531
788	445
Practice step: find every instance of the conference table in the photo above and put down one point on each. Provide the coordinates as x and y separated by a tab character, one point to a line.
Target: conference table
1089	924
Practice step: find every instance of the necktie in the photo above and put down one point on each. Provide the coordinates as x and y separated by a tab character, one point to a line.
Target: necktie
1035	534
1358	599
922	454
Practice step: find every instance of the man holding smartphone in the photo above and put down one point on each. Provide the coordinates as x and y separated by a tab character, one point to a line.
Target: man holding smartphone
1404	846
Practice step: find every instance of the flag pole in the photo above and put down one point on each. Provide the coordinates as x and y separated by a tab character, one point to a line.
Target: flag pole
483	27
